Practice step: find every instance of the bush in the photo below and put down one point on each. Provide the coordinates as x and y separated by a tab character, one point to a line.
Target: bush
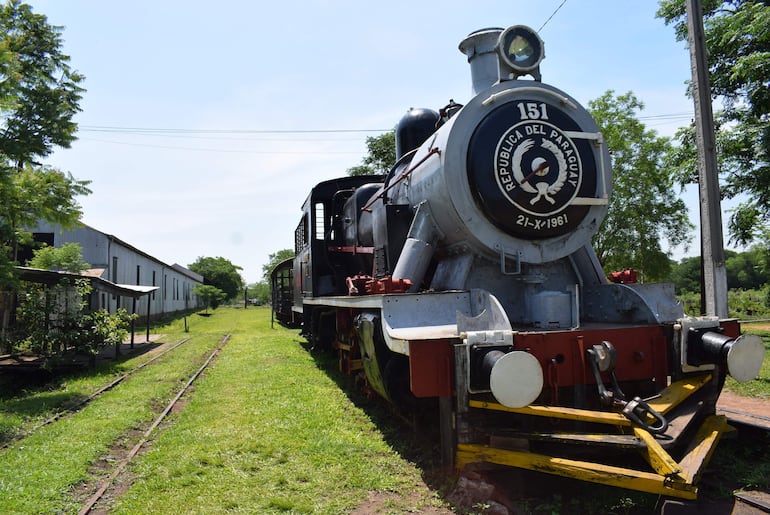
742	304
100	329
746	304
53	320
47	316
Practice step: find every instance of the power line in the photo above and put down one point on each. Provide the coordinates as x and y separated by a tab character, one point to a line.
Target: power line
671	116
155	130
227	151
551	16
179	132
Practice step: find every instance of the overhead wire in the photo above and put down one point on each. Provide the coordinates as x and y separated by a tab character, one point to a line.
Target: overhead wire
285	135
209	134
156	130
219	150
551	16
230	135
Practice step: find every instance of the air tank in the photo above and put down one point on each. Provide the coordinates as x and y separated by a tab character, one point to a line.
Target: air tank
413	129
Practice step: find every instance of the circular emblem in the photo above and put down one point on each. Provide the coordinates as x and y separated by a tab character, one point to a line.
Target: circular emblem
537	168
529	170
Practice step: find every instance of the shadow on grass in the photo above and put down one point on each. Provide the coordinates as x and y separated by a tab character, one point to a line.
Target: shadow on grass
413	436
416	439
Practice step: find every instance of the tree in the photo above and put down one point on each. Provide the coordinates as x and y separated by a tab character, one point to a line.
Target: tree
737	34
221	273
262	290
45	92
645	208
210	295
745	271
68	257
259	291
273	260
381	155
686	275
34	193
39	95
54	319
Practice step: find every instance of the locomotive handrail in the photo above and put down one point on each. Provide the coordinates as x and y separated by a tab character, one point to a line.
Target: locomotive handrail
603	198
434	150
589	201
491	99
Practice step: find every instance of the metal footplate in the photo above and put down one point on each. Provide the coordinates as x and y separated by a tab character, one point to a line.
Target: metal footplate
666	476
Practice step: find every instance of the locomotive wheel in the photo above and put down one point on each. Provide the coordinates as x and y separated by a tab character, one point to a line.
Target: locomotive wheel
396	379
322	329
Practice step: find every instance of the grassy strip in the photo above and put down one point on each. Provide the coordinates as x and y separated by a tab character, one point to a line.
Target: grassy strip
267	431
38	473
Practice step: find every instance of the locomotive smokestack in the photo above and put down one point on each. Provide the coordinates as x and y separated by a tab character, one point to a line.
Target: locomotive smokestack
498	55
479	46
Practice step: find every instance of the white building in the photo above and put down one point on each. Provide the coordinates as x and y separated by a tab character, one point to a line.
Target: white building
116	261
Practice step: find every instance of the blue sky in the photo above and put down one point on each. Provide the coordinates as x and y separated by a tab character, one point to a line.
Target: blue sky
216	82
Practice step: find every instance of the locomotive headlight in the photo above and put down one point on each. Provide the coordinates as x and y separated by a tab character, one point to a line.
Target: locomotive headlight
521	48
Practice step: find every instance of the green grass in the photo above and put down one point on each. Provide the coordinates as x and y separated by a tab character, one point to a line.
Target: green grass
39	472
267	431
263	430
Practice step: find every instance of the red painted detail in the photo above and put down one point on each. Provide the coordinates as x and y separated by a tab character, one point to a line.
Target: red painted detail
367	285
431	363
350	249
730	327
642	353
357	284
346	342
346	332
388	285
623	277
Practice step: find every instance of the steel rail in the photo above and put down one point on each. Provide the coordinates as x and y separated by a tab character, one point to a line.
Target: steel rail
746	498
749	419
88	506
75	407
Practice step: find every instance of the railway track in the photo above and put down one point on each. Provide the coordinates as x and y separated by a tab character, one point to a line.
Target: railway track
74	408
749	502
745	418
121	466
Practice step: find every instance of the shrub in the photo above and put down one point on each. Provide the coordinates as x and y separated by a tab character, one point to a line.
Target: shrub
53	320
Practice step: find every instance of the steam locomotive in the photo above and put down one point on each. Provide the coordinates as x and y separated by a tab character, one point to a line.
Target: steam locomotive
465	278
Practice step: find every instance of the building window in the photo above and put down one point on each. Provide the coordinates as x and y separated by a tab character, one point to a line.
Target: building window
138	274
153	283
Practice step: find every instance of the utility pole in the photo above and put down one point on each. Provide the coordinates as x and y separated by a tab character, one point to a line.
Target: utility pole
714	287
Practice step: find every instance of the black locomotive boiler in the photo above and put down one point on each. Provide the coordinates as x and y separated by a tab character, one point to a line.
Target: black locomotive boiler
465	277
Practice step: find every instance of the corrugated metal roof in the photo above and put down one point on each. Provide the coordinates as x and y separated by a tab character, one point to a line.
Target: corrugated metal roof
38	275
